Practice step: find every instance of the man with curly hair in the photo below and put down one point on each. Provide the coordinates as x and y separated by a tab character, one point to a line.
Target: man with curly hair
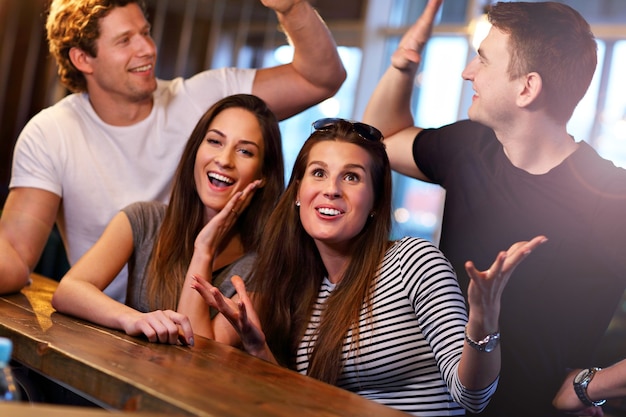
118	138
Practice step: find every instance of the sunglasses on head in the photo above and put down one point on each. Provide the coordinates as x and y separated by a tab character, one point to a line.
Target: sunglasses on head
364	130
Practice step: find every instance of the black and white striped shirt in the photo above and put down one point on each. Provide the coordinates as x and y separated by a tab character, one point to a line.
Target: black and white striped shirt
409	353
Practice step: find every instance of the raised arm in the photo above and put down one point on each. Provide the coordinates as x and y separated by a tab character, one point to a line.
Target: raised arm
484	294
80	292
215	235
316	72
27	219
389	107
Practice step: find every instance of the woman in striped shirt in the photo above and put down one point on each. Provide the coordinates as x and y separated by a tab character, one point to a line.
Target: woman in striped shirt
332	298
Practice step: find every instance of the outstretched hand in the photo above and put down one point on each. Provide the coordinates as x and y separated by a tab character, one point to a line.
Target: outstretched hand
240	314
409	52
486	287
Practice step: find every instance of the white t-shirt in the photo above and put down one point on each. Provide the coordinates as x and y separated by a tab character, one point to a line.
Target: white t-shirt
97	169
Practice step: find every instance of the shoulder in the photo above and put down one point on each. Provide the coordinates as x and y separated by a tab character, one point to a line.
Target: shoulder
436	150
211	85
416	256
462	129
60	117
598	173
145	212
411	246
424	273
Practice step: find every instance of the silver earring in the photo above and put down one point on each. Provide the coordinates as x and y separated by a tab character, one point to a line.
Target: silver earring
372	214
297	203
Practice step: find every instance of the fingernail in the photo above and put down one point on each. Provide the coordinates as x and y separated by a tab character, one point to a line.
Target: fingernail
191	341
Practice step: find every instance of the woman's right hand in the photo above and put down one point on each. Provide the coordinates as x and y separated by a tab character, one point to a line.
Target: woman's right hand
160	326
211	235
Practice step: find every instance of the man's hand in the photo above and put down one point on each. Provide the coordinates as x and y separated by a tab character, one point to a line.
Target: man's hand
409	52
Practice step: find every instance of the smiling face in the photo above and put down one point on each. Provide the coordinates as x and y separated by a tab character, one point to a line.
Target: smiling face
336	194
495	91
124	63
229	158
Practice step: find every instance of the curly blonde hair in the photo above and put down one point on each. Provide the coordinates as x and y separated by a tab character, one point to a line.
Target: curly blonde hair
75	23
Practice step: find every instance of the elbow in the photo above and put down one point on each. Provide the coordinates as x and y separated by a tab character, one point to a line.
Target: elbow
327	80
56	302
340	78
335	81
13	286
12	280
58	298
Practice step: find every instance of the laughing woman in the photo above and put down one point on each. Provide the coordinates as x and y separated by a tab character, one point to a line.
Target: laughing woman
228	181
342	304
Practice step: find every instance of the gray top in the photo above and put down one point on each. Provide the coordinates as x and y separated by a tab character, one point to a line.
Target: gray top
145	220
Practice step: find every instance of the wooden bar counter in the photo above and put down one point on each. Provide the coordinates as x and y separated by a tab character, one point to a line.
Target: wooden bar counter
47	410
121	372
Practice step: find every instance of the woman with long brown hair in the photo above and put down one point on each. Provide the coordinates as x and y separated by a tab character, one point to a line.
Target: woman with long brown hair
229	179
333	298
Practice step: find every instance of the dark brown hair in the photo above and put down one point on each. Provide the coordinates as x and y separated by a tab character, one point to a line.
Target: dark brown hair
289	269
184	216
555	41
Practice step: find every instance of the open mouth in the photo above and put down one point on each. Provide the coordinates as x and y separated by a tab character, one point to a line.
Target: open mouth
220	181
326	211
143	68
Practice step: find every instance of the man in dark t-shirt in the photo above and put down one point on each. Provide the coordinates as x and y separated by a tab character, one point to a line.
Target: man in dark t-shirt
513	172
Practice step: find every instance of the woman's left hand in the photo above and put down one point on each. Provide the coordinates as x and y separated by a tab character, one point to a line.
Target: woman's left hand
486	287
240	314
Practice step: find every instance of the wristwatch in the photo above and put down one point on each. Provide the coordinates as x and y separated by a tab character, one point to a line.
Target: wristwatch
487	344
581	382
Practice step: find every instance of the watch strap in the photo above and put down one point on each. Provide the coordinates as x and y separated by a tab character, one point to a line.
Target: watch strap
580	387
486	344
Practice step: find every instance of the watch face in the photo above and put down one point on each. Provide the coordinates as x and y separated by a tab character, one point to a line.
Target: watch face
581	376
491	344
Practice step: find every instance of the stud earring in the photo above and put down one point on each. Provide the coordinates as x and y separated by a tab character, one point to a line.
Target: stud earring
297	203
372	214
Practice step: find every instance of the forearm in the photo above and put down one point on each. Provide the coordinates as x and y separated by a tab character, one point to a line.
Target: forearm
316	71
84	300
609	383
389	107
191	304
479	369
315	53
23	236
14	272
484	298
